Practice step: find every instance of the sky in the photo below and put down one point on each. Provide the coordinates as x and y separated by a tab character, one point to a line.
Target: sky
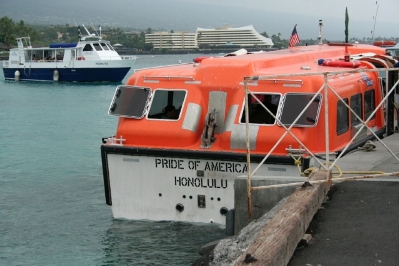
271	16
365	16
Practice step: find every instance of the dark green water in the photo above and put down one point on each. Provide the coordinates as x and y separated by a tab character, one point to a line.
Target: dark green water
52	204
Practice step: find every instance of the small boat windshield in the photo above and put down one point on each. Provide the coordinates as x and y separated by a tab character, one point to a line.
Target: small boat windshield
88	47
393	52
294	103
258	114
167	104
130	101
104	46
97	46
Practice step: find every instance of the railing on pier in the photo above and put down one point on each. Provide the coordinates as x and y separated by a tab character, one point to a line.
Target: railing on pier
324	89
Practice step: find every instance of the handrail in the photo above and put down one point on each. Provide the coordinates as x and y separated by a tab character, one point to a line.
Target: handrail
325	87
168	77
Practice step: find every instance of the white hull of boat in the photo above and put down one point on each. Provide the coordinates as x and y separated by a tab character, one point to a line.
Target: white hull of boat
177	189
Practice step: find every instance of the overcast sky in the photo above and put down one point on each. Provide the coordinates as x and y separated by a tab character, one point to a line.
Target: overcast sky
363	14
271	16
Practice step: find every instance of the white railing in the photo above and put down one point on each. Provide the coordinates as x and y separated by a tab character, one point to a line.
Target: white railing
324	89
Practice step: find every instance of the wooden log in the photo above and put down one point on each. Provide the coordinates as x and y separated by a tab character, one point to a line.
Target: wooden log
278	240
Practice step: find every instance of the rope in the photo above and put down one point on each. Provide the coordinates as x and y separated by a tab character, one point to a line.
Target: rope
368	146
337	174
297	162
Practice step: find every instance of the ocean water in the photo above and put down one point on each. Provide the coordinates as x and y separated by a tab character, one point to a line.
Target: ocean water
52	203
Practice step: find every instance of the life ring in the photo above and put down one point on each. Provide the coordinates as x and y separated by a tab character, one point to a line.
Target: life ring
81	58
339	63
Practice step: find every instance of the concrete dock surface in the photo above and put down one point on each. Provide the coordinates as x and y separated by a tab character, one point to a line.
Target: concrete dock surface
357	224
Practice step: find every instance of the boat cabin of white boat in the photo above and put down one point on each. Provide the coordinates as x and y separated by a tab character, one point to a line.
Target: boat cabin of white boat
86	49
90	59
394	51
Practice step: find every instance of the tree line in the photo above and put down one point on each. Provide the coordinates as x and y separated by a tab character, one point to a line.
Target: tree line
280	43
42	35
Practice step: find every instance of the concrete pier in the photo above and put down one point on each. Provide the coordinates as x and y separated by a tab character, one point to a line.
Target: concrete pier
358	209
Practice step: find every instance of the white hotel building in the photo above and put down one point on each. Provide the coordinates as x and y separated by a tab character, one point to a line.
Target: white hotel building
175	40
245	37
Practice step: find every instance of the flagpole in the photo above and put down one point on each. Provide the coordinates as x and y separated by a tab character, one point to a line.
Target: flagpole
346	25
375	21
320	38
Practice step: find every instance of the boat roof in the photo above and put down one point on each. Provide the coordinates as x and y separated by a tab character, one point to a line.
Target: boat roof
62	45
299	59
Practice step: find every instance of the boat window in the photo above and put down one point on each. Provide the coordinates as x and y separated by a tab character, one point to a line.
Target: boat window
342	117
105	47
294	103
257	113
167	104
369	104
393	52
48	55
88	47
110	47
130	101
97	46
356	105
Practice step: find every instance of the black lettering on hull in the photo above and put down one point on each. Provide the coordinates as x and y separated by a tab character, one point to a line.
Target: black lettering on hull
226	167
182	181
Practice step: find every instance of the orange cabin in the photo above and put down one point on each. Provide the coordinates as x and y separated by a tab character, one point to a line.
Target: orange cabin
209	102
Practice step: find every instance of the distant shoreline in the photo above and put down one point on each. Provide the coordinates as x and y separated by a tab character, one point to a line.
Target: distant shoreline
128	51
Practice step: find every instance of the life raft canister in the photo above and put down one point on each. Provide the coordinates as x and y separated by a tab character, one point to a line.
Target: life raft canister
384	43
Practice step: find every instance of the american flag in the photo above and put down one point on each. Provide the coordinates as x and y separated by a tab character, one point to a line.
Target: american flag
294	39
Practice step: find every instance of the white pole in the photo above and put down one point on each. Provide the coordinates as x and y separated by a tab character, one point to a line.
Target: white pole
327	137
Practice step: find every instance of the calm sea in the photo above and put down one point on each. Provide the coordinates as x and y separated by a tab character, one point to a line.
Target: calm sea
52	204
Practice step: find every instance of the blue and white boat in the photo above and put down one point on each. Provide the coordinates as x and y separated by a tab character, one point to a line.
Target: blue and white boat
90	59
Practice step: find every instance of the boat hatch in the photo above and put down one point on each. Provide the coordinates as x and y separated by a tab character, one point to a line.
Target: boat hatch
130	101
294	103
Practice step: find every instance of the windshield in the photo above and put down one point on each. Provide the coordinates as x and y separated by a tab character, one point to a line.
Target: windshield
294	103
130	101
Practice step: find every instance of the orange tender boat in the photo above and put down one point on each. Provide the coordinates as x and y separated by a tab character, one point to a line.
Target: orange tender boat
181	138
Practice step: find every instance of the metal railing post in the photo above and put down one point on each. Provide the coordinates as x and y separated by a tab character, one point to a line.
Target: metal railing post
249	196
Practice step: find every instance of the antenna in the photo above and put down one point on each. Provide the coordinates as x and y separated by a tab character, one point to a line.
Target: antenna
80	34
92	26
88	33
375	21
320	38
